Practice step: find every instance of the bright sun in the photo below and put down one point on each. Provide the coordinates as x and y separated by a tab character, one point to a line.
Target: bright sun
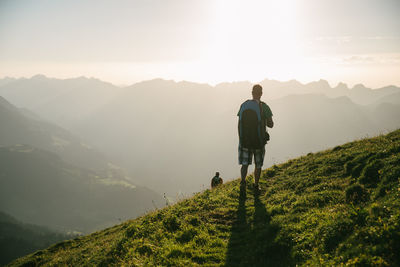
255	38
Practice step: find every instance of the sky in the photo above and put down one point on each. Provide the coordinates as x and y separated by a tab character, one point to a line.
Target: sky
211	41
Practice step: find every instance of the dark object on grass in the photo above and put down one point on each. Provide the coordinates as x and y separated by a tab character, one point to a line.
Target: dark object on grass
216	180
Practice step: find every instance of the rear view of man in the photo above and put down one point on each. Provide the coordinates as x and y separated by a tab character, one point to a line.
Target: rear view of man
254	116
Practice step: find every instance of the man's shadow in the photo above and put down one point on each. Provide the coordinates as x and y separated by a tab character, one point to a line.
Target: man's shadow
252	241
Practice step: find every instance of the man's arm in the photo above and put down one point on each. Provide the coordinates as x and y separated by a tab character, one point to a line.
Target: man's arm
269	122
267	115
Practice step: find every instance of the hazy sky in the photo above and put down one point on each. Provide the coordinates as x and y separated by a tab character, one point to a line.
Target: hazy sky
203	40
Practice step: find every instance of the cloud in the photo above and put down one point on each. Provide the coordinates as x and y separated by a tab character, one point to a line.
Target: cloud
372	59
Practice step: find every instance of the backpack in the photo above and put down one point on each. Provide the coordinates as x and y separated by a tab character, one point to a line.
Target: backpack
251	125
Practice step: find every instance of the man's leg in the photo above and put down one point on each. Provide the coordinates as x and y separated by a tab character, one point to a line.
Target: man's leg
259	160
243	172
257	173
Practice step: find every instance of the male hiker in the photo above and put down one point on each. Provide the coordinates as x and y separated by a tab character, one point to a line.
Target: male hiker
216	180
254	116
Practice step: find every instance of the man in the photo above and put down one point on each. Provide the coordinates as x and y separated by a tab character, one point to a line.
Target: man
216	180
254	115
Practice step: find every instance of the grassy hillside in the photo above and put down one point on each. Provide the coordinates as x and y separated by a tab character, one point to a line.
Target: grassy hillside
337	206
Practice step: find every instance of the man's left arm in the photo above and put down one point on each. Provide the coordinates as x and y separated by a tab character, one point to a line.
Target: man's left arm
268	115
269	122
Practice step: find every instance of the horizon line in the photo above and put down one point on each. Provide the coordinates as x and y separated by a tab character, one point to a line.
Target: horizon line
194	82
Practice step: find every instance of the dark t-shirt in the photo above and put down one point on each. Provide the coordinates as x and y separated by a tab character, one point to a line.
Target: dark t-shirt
265	109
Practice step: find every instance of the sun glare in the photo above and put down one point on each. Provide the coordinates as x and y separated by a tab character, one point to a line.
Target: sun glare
257	37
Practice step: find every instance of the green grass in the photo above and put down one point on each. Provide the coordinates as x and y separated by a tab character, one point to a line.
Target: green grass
339	206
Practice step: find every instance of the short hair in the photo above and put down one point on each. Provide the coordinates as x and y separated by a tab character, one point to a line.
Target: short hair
217	173
257	88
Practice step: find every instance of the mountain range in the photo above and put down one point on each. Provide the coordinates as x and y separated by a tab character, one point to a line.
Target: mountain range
81	154
49	177
173	136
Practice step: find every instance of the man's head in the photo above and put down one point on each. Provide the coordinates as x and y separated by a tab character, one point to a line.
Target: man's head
257	91
217	174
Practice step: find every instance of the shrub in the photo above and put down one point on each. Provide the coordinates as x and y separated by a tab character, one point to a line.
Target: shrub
201	241
359	216
381	191
194	221
326	170
392	175
356	171
395	150
276	210
200	259
131	231
270	173
355	166
335	233
356	193
337	148
176	253
171	223
144	250
377	210
187	235
370	174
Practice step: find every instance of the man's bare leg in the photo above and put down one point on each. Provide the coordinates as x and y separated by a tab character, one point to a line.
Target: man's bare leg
257	173
243	173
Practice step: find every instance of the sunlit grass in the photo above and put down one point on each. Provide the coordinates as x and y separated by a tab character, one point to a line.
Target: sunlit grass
339	206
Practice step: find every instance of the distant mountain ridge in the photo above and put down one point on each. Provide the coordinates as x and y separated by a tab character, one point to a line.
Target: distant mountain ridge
23	127
58	100
199	124
182	126
358	94
50	177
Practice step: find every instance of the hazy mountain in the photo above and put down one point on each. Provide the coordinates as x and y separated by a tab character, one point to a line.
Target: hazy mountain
390	98
6	80
36	186
173	136
59	100
164	132
18	239
306	123
20	126
46	188
386	115
359	94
